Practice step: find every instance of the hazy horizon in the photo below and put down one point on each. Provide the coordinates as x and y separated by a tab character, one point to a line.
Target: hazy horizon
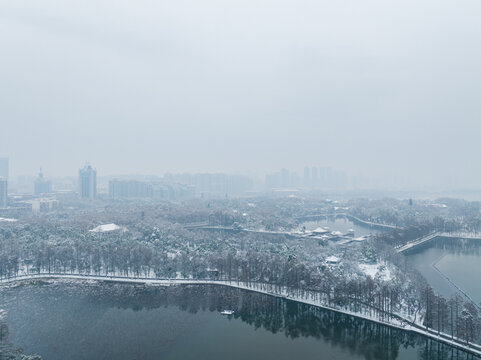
372	88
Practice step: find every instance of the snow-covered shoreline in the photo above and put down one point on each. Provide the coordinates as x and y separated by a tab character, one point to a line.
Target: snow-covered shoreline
402	323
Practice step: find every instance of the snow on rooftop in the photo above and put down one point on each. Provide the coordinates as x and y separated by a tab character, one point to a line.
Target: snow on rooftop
105	228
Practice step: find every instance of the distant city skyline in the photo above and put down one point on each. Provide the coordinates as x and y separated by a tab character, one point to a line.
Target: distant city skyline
451	180
349	86
309	177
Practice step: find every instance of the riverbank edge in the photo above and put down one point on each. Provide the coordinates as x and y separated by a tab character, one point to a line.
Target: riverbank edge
410	326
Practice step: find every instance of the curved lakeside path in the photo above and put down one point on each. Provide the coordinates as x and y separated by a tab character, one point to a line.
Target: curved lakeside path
400	322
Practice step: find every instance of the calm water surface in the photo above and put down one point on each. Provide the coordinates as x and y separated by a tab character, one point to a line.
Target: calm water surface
445	262
62	320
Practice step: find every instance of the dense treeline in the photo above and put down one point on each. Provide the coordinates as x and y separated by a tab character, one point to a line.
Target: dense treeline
375	297
456	316
444	214
155	246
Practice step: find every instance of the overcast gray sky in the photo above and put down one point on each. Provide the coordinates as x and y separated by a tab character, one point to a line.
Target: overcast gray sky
148	87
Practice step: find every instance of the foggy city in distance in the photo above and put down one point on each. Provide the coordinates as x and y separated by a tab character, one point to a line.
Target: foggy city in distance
240	179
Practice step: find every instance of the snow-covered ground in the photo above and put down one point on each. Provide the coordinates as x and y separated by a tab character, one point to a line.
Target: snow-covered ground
106	228
377	269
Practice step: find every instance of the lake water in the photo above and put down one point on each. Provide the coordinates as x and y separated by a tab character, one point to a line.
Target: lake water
341	224
89	320
455	259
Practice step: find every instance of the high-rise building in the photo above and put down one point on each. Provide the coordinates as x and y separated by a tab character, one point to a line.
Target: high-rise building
87	181
3	192
41	185
4	167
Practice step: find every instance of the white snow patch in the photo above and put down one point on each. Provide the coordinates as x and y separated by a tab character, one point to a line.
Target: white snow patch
105	228
332	259
374	270
7	219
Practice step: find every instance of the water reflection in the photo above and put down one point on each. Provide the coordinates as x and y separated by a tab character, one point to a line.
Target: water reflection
450	264
454	245
80	305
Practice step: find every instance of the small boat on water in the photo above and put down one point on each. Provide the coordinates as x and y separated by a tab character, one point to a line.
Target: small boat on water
227	312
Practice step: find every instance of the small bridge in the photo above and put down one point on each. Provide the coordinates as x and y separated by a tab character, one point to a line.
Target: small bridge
432	236
415	243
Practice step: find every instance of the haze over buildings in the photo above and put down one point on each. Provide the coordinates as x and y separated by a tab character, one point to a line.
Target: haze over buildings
371	88
42	185
210	164
3	192
130	189
3	182
4	168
